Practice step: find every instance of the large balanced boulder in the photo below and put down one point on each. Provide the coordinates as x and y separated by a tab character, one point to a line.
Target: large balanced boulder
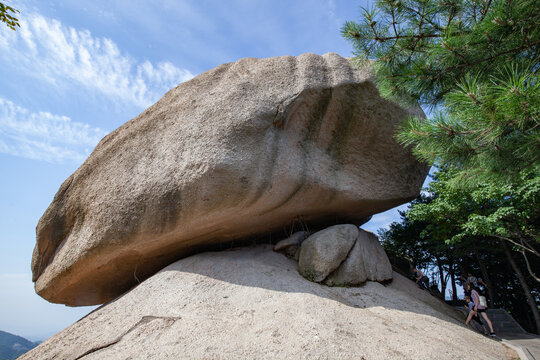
239	150
251	303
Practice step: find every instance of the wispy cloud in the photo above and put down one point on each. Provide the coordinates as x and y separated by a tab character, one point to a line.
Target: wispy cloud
47	49
44	136
332	17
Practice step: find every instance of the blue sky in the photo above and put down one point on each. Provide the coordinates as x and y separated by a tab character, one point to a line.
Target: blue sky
76	70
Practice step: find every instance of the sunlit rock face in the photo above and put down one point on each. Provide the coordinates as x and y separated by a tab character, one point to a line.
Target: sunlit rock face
238	151
251	303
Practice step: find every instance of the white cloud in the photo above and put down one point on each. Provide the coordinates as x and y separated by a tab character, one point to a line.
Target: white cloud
44	136
49	50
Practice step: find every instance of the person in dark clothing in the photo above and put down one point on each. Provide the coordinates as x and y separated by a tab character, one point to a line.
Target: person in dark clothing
475	282
467	289
465	283
421	279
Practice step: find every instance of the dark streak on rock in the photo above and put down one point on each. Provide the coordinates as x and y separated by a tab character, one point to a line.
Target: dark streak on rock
144	320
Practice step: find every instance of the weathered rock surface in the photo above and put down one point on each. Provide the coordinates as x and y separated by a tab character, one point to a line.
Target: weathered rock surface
251	303
324	251
239	150
366	261
290	246
293	240
344	255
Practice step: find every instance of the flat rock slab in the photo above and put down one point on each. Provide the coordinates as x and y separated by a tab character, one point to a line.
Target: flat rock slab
251	303
240	150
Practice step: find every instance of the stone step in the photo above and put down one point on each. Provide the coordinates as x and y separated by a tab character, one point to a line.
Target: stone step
502	321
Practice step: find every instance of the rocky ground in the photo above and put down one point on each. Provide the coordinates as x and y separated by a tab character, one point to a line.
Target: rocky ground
252	303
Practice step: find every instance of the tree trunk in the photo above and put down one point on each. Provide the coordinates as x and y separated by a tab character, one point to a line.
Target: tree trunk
441	277
461	268
452	279
524	286
485	275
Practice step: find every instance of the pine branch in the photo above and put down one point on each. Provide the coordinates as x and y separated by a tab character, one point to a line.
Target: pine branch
491	58
485	10
435	26
399	37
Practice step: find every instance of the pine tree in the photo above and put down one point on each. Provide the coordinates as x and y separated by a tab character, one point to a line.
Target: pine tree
7	18
475	64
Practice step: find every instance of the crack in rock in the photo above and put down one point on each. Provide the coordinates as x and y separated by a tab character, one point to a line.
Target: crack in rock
144	320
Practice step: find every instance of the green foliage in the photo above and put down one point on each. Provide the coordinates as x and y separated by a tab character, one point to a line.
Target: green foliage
488	130
424	46
452	229
476	63
421	244
11	21
510	212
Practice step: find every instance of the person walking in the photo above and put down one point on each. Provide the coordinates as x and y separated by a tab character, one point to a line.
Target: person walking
479	309
474	317
465	284
475	282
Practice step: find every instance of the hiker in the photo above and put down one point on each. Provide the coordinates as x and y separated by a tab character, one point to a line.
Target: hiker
473	316
478	309
474	281
465	284
421	279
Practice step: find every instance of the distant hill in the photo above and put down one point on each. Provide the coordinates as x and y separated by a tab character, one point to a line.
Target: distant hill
13	346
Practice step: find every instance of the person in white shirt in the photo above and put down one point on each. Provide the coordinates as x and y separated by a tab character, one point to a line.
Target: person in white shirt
479	309
472	316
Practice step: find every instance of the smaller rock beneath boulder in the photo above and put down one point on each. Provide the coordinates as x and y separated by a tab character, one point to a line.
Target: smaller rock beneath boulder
290	245
294	239
341	255
366	261
324	251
